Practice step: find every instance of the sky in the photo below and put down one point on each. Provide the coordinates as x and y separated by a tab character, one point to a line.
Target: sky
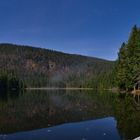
89	27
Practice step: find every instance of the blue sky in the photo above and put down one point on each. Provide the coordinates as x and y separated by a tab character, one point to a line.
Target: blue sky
88	27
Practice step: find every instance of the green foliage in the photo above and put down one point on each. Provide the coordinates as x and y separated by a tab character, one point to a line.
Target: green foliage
10	81
46	68
128	63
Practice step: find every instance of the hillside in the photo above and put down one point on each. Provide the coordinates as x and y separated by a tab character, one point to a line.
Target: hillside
39	67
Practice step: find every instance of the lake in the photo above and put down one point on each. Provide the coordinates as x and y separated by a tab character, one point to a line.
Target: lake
69	115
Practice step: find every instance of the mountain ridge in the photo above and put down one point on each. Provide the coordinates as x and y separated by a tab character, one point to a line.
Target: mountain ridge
47	49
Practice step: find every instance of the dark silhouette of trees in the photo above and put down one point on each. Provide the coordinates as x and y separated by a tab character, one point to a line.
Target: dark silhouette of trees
10	82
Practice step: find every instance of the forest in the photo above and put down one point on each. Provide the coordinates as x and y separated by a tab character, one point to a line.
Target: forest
10	82
38	67
128	63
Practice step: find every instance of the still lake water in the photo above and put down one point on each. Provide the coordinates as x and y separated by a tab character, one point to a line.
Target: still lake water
68	115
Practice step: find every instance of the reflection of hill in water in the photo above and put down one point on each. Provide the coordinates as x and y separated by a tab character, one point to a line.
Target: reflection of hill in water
39	109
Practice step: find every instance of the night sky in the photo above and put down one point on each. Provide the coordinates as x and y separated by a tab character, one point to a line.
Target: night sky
88	27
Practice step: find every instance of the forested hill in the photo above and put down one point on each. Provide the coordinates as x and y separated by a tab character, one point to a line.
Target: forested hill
47	68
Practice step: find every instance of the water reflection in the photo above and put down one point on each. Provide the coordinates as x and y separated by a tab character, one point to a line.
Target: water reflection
48	109
87	130
127	113
5	95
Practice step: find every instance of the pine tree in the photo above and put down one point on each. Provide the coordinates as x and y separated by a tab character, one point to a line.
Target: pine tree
122	67
134	56
128	64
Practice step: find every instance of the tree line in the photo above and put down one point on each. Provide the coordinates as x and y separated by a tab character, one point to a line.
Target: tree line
128	63
10	82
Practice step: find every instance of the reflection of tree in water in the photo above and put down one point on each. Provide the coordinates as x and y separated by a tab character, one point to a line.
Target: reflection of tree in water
128	118
39	109
137	101
5	95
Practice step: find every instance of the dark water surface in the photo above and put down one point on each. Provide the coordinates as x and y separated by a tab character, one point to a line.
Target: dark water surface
68	115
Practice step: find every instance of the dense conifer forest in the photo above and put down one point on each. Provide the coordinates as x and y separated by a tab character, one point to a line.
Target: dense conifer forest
128	63
39	67
10	82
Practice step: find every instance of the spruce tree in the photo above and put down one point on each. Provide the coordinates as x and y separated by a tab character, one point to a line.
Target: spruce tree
128	64
122	67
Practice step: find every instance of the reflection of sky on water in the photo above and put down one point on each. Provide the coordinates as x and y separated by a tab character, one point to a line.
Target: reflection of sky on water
101	129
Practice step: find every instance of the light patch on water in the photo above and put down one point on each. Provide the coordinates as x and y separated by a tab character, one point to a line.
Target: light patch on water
49	130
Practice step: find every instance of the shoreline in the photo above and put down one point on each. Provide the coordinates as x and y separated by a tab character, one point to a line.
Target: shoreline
54	88
68	88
